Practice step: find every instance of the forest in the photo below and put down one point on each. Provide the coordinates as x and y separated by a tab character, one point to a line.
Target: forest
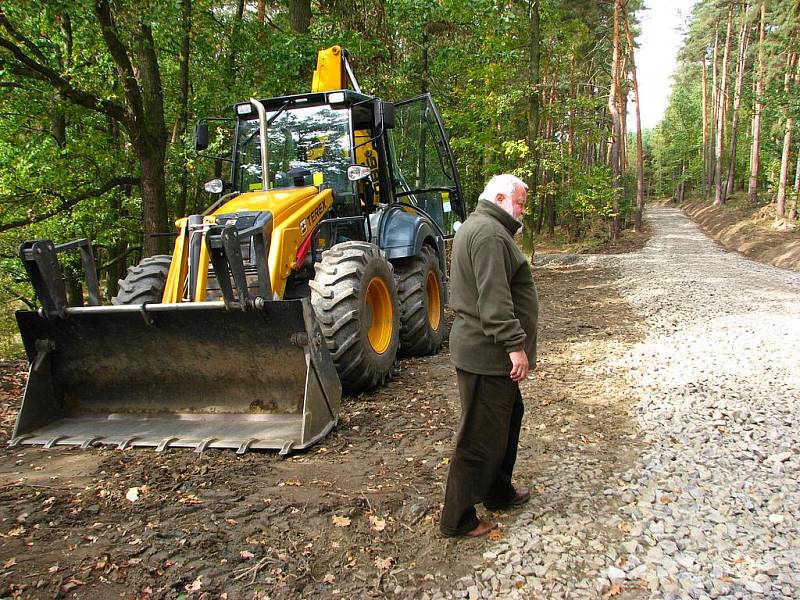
729	131
98	102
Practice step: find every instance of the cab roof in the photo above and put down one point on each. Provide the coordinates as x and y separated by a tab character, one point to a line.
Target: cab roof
309	99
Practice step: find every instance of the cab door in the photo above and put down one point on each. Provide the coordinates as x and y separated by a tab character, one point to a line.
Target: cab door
424	172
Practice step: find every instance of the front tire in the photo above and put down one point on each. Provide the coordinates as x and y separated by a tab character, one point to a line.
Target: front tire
421	292
145	282
355	300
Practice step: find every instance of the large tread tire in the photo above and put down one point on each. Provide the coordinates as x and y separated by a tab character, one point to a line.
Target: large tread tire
145	282
420	288
341	291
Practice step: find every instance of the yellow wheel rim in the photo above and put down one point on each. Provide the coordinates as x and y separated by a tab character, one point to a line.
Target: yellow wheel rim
434	300
380	307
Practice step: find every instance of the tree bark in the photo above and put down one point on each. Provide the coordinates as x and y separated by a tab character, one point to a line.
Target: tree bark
755	150
780	201
534	54
616	125
714	107
637	216
703	85
796	194
719	196
300	15
183	101
233	38
741	64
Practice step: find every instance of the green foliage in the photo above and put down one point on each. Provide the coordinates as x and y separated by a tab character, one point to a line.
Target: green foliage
472	56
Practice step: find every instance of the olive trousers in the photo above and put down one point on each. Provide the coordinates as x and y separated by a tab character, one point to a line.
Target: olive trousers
486	449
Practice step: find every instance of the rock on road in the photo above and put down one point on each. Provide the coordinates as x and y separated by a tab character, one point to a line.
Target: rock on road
711	509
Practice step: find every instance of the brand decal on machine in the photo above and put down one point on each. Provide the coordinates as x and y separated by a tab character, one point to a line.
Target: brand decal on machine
316	214
303	227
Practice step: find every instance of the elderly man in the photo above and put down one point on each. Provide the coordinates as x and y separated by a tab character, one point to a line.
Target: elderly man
493	345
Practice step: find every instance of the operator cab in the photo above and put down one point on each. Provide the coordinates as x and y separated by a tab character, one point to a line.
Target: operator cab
314	138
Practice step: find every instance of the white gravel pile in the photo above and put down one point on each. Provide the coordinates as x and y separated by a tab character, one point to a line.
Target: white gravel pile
712	508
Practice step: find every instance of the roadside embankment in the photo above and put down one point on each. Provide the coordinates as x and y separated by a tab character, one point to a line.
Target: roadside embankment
746	231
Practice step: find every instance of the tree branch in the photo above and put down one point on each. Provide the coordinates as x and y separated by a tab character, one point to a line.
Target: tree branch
67	203
121	58
28	67
33	48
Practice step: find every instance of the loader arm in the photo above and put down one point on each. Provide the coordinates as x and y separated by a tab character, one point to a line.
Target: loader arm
333	71
295	213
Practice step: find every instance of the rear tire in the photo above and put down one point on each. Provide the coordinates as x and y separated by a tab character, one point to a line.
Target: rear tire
145	282
421	292
355	300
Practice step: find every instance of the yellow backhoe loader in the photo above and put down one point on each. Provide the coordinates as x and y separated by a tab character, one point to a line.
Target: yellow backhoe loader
320	261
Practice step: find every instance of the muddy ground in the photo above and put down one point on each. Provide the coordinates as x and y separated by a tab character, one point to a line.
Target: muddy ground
355	516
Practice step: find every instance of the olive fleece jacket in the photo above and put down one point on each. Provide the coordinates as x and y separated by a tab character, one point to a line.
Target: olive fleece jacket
492	292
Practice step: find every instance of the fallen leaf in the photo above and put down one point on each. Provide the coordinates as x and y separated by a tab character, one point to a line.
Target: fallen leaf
624	527
195	585
341	521
666	500
10	563
246	555
189	499
384	563
231	522
21	518
495	535
376	523
614	590
329	579
132	495
53	569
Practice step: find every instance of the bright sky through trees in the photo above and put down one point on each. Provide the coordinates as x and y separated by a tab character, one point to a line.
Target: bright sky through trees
663	24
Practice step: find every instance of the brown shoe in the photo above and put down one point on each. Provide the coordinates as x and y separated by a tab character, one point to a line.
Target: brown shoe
520	498
483	528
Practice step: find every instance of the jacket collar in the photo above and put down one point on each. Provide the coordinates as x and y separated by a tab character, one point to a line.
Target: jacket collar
493	210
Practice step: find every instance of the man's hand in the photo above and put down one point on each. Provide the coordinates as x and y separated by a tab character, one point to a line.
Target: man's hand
519	365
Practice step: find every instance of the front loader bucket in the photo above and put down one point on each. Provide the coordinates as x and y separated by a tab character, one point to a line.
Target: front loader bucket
187	375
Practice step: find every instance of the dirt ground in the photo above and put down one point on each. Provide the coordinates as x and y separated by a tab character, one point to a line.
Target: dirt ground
355	516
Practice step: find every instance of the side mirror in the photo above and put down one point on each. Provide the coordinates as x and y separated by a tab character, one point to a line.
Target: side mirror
384	115
200	137
214	186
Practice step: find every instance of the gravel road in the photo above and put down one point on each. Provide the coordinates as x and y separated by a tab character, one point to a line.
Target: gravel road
710	508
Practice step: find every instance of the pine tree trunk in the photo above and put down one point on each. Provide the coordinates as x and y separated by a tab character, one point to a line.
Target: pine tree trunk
719	196
616	126
637	216
741	64
705	125
534	54
780	201
755	150
714	107
793	204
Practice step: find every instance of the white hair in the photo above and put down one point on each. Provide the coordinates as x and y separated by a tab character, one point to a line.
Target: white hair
501	184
